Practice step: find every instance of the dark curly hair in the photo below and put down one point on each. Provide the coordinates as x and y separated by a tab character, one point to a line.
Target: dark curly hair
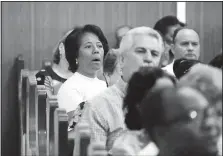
140	83
164	23
73	42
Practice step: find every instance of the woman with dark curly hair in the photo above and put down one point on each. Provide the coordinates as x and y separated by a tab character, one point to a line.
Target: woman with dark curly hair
142	81
85	48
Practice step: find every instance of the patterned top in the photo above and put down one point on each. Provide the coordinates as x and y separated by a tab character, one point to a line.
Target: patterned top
105	114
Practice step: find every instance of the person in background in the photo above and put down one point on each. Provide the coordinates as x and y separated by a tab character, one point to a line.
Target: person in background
120	32
141	46
177	120
186	44
166	27
54	76
111	67
134	140
85	48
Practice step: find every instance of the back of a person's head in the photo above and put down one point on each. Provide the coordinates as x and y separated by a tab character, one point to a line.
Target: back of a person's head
110	61
73	43
165	22
152	110
217	61
56	51
182	66
206	79
140	83
128	40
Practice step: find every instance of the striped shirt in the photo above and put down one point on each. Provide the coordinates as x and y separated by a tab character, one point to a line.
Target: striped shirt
105	115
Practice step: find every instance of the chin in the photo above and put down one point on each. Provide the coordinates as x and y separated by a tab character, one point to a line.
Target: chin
191	58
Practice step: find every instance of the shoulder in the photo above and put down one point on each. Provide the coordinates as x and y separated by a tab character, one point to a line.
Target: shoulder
103	98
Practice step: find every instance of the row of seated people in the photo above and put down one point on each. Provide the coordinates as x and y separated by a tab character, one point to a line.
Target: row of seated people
84	49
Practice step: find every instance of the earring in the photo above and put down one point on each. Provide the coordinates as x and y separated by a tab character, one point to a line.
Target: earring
76	62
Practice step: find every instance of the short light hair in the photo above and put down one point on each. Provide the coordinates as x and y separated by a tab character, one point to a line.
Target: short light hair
128	40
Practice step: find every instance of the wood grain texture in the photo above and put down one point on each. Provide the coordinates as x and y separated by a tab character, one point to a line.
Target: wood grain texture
34	28
206	18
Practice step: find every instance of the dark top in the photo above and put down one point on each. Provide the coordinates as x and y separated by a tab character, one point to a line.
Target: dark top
48	71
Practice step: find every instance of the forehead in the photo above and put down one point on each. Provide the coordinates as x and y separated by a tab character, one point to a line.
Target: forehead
146	41
89	37
187	35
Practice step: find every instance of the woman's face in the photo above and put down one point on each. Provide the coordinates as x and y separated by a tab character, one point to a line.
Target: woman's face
91	54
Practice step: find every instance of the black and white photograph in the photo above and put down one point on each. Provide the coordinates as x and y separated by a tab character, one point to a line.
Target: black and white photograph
111	78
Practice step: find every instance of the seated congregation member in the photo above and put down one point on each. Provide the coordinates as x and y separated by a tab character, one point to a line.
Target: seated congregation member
111	67
134	140
186	44
85	48
178	121
166	27
217	61
208	80
54	76
120	32
182	66
141	46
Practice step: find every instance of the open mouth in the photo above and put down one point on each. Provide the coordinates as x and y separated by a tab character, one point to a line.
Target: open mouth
96	60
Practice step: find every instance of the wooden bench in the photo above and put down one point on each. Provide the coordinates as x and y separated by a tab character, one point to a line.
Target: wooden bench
43	126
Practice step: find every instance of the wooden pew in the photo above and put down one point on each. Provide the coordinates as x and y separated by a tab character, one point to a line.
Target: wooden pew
41	119
20	65
22	109
82	139
52	104
31	102
97	149
60	132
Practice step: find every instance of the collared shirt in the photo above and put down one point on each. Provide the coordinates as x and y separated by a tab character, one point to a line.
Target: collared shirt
105	114
169	68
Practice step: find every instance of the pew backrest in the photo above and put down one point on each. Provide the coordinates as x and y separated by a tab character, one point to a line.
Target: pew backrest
60	132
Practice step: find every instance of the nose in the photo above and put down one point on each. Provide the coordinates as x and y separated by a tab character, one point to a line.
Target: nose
95	50
190	47
148	57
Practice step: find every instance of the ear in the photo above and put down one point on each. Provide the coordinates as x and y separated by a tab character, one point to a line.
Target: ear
172	48
61	48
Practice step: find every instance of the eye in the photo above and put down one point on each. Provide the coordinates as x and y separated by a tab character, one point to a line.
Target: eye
100	46
154	53
194	43
184	43
141	50
88	46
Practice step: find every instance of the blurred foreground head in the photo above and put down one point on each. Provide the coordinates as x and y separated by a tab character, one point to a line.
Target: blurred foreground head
178	121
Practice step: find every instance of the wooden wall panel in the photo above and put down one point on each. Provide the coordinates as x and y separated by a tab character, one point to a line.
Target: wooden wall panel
15	39
34	28
206	18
